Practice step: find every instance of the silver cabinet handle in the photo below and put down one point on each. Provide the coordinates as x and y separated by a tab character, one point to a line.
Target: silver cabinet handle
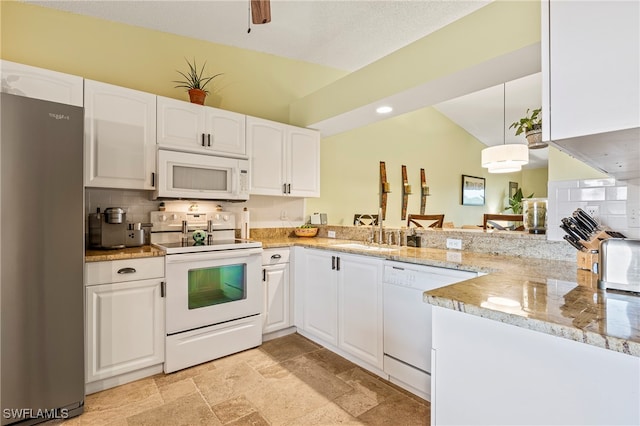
203	140
276	256
127	271
163	289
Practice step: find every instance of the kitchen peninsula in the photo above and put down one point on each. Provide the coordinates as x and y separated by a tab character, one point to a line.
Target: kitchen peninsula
528	333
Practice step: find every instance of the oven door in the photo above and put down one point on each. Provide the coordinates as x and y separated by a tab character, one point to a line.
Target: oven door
201	176
212	287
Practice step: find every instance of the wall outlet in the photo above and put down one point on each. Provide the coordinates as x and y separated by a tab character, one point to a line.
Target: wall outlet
331	234
594	212
453	243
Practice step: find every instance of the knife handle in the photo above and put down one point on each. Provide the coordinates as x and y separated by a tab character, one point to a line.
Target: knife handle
594	223
576	244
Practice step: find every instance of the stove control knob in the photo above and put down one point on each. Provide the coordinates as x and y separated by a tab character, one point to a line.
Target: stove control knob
217	216
162	218
225	217
174	216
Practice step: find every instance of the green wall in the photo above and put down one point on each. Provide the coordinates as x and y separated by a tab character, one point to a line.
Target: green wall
253	83
266	86
422	139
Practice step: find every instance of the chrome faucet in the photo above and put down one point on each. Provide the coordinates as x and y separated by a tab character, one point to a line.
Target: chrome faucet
380	230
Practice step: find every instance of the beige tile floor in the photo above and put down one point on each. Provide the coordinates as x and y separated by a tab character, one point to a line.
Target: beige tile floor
286	381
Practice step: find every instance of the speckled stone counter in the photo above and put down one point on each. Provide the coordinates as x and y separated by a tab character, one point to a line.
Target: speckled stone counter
548	296
126	253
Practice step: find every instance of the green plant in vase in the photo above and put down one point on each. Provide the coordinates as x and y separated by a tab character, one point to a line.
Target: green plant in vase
515	202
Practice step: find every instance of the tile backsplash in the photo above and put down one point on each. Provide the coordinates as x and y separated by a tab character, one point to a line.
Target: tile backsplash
266	212
617	203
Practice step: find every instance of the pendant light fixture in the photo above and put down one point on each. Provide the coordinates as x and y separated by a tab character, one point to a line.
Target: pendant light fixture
505	158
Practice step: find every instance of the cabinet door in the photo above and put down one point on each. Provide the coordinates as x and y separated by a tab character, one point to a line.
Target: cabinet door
119	137
39	83
594	61
181	124
124	328
266	144
225	131
276	298
320	308
303	160
360	308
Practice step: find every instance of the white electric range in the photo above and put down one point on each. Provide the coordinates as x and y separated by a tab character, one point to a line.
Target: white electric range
213	292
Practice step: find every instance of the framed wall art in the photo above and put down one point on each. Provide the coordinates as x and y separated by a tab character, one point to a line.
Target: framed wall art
513	188
472	191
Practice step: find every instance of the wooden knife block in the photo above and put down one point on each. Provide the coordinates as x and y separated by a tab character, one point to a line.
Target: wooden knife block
594	242
587	259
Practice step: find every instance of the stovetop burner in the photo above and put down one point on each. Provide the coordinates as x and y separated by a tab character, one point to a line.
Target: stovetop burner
192	246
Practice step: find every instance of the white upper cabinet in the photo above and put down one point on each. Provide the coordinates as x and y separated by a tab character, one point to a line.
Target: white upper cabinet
191	127
285	160
39	83
303	161
119	137
591	67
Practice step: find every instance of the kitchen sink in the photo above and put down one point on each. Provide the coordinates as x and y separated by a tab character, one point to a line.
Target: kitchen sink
365	247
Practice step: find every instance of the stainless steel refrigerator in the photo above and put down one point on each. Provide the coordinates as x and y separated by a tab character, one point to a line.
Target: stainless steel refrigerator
41	260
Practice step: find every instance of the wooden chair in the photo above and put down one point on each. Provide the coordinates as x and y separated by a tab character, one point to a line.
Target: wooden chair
365	219
502	217
413	218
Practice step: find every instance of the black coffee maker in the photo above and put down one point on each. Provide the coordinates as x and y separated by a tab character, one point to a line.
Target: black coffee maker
108	230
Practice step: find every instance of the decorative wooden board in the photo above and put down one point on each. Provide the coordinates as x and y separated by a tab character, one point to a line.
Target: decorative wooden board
406	190
424	191
384	189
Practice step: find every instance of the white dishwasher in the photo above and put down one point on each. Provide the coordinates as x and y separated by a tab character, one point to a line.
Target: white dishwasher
407	322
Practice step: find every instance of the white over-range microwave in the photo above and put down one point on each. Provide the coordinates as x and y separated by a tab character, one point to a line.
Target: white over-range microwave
200	176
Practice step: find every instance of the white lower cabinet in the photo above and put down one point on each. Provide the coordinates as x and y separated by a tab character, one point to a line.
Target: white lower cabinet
277	290
485	372
340	296
124	321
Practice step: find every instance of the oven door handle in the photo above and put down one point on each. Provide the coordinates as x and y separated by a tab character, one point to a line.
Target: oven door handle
212	255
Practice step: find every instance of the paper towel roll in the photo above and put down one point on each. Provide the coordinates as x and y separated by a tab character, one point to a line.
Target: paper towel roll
244	224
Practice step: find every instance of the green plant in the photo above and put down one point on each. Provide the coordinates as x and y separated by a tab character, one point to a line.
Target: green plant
307	225
515	202
528	122
194	78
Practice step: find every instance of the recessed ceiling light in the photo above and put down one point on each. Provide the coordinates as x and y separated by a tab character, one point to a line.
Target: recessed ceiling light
384	109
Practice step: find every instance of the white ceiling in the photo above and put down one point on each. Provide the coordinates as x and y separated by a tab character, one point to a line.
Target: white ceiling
343	34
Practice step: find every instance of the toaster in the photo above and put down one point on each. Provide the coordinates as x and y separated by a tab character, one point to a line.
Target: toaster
619	264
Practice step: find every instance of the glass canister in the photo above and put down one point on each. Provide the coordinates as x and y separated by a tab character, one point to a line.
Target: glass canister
534	215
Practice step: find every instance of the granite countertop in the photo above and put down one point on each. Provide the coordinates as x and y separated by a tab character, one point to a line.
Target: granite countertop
549	296
91	255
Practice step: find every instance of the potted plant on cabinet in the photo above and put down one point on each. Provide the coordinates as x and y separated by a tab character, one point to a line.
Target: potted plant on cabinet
531	126
195	83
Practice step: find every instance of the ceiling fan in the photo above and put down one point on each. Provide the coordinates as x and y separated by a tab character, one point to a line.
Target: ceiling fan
260	12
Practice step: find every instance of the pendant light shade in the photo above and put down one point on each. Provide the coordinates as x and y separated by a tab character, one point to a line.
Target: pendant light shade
505	158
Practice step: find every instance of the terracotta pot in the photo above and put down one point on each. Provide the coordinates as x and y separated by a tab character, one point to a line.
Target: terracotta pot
197	96
534	139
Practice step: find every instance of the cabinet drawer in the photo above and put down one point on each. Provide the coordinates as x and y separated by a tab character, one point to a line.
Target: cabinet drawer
117	271
275	255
